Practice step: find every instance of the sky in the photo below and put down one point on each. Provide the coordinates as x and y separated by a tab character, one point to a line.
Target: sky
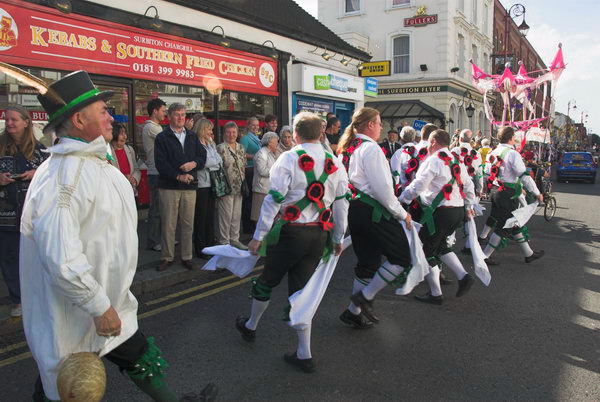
574	24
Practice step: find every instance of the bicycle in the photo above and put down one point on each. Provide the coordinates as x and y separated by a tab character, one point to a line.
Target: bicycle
544	182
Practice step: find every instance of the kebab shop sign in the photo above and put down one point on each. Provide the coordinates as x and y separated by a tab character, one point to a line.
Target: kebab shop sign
35	38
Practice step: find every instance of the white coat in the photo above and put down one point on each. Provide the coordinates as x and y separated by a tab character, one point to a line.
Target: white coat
78	255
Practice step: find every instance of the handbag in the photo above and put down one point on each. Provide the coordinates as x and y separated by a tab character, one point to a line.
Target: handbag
218	182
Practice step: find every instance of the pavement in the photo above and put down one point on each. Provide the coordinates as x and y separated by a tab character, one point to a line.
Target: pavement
532	335
146	279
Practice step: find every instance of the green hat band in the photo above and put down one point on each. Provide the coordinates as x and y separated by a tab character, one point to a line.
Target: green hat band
75	102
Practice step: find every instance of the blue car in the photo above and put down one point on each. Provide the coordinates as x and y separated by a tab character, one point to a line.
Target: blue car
577	166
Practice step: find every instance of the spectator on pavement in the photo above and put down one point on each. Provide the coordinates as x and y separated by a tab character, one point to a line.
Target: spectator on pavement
230	207
20	156
204	216
123	156
390	145
157	109
271	123
263	160
286	140
251	144
323	138
332	130
178	155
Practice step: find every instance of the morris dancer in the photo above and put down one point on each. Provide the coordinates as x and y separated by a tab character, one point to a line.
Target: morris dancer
308	194
79	250
399	161
506	171
444	190
373	218
472	161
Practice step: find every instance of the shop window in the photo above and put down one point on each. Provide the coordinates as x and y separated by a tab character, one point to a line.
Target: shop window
397	3
352	7
401	54
238	106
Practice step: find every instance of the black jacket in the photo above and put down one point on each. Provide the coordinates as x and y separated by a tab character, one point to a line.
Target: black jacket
387	148
169	155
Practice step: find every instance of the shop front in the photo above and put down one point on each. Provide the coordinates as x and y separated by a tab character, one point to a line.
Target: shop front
323	91
139	65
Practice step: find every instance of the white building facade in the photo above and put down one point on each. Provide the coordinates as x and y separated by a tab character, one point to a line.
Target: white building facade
428	44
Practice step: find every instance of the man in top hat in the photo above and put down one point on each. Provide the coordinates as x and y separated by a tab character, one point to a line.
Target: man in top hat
79	249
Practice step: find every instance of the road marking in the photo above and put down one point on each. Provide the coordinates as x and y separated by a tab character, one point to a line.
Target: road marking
192	289
26	355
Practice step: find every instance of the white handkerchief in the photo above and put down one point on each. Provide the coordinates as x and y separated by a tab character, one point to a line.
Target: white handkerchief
521	216
420	266
304	303
238	262
481	268
478	208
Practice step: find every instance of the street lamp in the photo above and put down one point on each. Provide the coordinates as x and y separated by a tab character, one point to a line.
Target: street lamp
517	10
469	109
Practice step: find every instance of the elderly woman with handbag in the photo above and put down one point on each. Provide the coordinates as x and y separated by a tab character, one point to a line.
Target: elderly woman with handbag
263	160
229	207
204	216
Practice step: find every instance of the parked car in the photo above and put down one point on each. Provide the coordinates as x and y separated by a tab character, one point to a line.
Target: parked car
577	166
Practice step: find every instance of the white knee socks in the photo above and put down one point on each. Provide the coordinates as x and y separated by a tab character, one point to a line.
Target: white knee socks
357	286
494	241
258	308
386	273
303	351
523	244
485	232
433	279
452	261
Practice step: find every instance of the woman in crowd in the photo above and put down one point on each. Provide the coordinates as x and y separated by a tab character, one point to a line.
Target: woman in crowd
20	156
286	140
251	144
263	160
123	156
204	217
229	207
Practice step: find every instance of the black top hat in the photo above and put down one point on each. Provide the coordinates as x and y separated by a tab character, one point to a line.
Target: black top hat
77	91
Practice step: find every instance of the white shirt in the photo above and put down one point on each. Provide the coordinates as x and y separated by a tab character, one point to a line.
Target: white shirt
512	167
290	181
369	172
79	252
399	163
180	135
478	175
432	175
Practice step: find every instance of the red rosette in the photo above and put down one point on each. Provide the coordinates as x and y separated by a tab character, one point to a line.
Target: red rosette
330	167
346	160
446	191
474	154
501	186
495	170
306	162
492	158
315	192
468	160
358	142
490	183
409	150
499	160
455	170
463	151
350	150
325	219
462	193
445	157
422	153
413	164
471	170
414	205
291	213
397	190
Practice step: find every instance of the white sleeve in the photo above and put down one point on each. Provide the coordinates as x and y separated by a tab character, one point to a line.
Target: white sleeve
423	178
380	180
281	177
518	164
340	205
530	185
468	186
56	233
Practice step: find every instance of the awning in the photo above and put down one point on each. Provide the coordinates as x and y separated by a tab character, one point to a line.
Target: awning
406	109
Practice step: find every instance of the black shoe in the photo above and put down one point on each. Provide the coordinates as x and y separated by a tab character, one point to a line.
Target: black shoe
481	240
247	334
358	321
464	285
444	280
208	394
428	298
466	251
491	261
306	365
534	256
365	305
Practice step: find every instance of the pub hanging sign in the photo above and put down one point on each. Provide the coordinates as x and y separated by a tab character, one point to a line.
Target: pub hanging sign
421	18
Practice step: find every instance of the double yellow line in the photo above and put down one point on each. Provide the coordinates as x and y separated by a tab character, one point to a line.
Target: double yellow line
150	313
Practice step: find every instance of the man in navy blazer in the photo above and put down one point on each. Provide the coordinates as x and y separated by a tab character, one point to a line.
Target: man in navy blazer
178	155
390	144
